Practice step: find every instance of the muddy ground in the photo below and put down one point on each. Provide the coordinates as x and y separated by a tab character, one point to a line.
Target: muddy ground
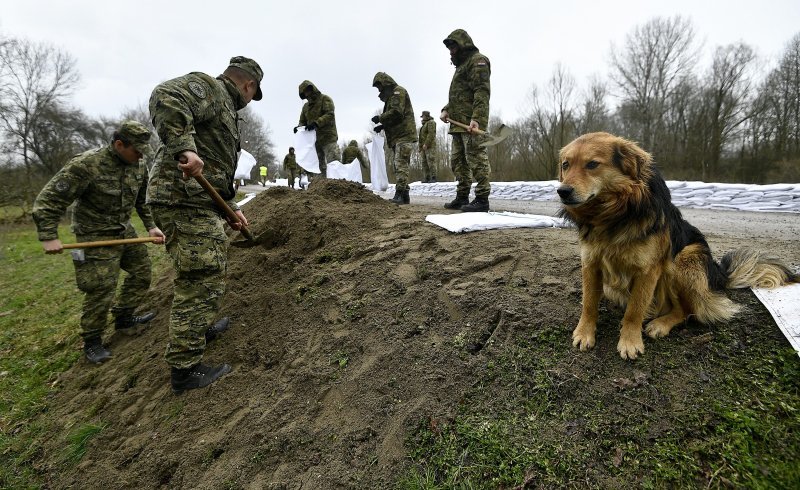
354	321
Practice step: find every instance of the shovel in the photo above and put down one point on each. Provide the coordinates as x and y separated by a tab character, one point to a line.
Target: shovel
501	133
250	242
111	243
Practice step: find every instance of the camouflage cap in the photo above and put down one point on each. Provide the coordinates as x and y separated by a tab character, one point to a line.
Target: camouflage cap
425	114
136	134
252	68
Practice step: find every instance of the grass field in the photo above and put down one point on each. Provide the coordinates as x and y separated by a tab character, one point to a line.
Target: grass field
39	316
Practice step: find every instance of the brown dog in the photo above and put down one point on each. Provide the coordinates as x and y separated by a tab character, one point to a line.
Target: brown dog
638	251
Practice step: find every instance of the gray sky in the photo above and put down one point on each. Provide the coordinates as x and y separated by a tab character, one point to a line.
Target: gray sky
125	48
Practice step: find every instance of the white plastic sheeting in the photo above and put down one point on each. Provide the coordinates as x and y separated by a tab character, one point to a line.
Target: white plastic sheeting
784	305
466	222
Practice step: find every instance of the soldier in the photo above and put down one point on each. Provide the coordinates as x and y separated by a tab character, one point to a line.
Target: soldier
290	166
468	101
352	152
427	145
397	120
318	114
196	118
107	183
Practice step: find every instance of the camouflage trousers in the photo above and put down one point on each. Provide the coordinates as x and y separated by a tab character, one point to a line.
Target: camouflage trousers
426	157
198	246
401	159
290	175
327	153
96	276
470	160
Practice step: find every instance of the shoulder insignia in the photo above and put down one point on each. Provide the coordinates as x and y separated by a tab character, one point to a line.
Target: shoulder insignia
62	186
197	89
397	92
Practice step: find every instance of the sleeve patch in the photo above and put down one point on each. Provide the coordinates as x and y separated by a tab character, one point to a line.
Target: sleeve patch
62	186
197	89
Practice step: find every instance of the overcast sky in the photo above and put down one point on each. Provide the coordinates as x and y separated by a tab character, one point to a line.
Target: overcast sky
123	49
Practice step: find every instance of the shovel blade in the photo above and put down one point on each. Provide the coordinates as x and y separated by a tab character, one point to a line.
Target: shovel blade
498	135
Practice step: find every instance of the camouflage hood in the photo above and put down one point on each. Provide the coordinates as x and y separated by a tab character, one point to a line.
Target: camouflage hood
464	42
384	83
304	85
353	143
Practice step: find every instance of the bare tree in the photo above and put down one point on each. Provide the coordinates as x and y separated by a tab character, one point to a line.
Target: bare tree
256	139
595	114
648	68
35	79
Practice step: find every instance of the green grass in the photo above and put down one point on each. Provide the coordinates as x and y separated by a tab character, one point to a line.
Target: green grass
77	440
740	431
40	308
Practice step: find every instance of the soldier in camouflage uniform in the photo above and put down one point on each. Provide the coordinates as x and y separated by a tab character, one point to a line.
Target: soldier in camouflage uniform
427	146
196	119
106	184
318	114
353	152
468	104
397	119
290	166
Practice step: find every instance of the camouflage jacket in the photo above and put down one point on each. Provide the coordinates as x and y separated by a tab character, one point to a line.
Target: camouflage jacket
105	190
427	134
470	88
352	152
319	109
290	162
195	112
398	115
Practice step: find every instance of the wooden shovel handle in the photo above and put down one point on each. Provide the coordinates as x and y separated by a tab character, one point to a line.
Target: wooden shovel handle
222	205
111	243
465	126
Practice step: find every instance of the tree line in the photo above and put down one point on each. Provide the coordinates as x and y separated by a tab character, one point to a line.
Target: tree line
735	119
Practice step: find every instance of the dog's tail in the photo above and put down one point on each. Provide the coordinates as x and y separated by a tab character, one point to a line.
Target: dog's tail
747	268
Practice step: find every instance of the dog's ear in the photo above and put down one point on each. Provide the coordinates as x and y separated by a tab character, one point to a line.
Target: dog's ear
630	159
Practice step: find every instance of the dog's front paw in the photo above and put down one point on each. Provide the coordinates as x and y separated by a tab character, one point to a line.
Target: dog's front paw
656	329
630	344
583	338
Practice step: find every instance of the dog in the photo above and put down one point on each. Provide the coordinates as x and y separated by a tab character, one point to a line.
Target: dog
638	251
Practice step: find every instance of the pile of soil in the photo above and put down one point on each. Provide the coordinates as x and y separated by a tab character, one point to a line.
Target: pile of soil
353	322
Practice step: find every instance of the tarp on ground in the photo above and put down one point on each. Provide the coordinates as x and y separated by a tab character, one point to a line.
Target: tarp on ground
347	171
466	222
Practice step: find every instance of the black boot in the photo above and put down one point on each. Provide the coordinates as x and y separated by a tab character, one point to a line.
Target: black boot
405	196
478	205
457	202
398	197
128	323
197	376
216	329
94	350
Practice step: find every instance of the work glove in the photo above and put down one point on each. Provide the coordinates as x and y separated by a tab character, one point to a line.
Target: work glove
378	128
376	119
311	127
294	129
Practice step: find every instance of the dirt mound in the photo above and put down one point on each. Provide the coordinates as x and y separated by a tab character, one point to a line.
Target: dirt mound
354	322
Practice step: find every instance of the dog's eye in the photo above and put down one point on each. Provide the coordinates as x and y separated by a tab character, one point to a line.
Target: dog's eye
592	164
564	165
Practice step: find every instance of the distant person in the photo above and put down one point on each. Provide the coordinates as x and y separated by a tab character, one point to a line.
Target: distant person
106	185
318	115
353	152
195	117
468	103
427	147
397	120
290	166
262	173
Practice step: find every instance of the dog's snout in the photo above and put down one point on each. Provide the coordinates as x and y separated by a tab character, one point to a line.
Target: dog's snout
565	191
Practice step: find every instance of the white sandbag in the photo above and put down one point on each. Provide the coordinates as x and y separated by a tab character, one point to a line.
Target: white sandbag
377	164
350	171
304	150
244	165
